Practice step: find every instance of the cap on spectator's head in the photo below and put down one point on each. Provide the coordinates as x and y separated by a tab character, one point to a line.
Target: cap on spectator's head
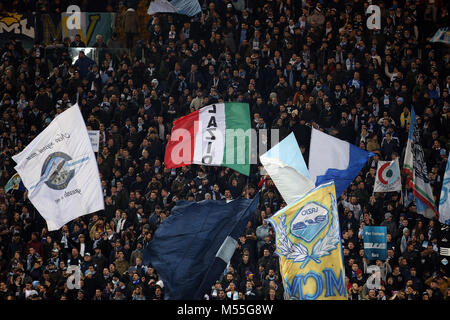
387	215
160	284
400	99
443	152
229	5
55	250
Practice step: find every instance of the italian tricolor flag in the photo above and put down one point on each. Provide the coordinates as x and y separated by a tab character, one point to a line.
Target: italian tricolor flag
215	135
415	168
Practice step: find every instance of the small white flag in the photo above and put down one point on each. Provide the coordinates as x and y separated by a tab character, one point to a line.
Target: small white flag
94	136
60	171
388	177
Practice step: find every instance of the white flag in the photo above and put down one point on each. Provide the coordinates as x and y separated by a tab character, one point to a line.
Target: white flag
388	177
286	167
94	136
60	171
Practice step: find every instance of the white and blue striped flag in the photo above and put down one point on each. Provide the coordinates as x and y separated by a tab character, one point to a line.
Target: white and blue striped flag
333	159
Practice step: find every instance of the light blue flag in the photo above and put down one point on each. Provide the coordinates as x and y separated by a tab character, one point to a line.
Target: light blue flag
333	159
186	7
444	203
286	167
375	242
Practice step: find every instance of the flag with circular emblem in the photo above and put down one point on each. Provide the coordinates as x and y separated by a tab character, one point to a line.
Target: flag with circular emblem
388	177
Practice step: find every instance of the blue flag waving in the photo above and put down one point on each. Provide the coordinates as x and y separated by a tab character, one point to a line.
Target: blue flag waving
192	247
332	159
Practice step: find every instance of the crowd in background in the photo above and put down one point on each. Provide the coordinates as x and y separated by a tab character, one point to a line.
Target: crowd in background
298	64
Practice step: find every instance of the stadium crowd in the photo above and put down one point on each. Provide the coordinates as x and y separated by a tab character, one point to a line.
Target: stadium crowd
298	64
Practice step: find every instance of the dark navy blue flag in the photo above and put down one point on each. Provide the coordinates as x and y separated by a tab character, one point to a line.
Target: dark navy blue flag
192	247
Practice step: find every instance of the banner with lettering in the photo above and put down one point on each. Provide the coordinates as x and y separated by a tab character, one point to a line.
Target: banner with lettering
215	135
18	26
48	28
308	244
94	136
60	171
90	25
375	243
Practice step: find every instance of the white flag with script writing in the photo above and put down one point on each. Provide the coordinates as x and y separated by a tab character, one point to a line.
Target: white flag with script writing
60	171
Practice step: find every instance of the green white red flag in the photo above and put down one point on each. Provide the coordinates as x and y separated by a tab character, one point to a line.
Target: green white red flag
215	135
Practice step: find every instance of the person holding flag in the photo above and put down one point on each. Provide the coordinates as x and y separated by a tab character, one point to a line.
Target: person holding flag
415	168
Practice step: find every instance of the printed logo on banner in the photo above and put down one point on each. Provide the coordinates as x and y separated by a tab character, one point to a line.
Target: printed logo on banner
17	24
309	221
58	170
388	177
388	173
322	247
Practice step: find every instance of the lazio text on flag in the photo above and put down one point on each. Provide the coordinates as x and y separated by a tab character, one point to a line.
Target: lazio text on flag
333	159
375	243
388	177
186	7
60	171
286	167
308	243
215	135
415	168
192	247
444	201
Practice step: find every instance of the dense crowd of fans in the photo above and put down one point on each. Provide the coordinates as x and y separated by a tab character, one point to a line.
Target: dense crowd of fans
298	64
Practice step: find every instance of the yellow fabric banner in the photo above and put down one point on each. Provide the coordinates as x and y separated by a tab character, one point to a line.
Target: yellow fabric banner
308	243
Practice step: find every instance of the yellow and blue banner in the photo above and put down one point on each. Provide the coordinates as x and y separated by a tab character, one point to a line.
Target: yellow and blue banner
308	243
